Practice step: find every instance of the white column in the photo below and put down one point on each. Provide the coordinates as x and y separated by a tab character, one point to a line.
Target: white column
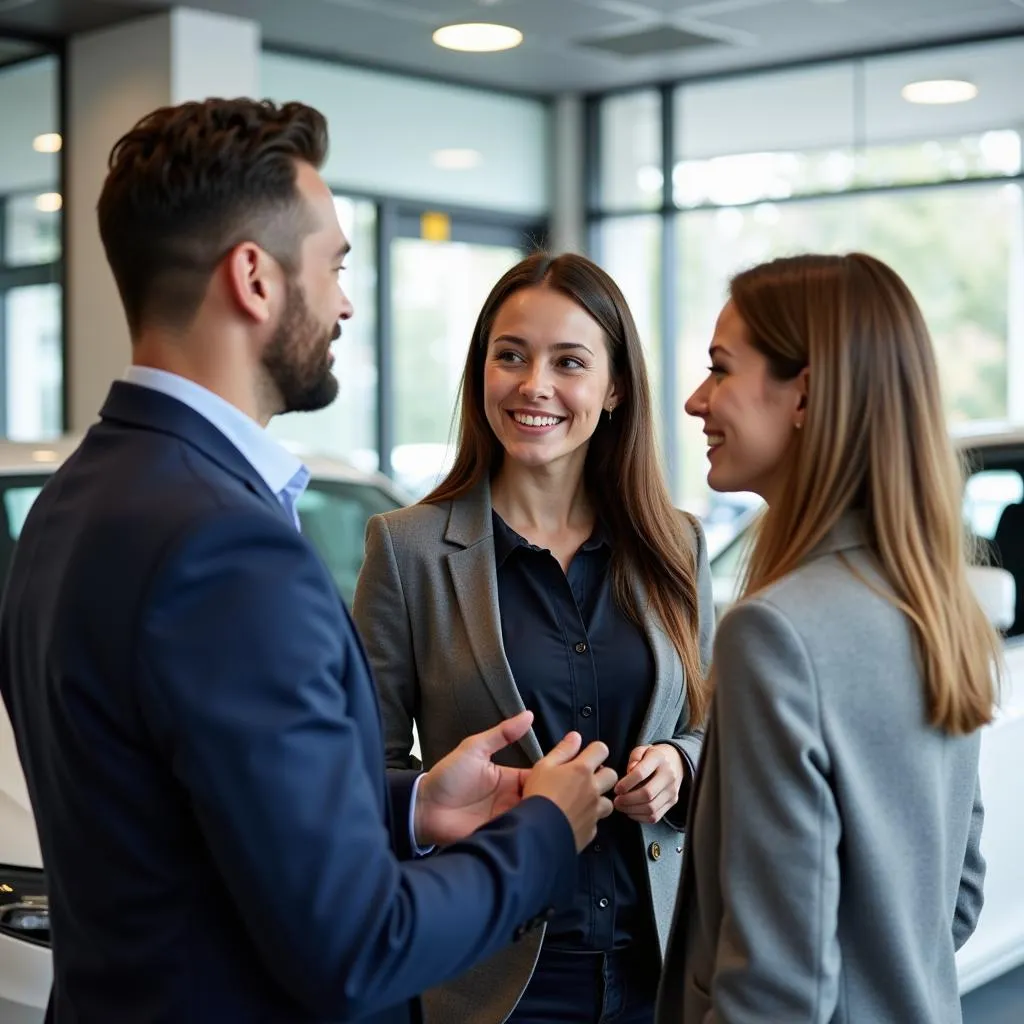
568	209
115	76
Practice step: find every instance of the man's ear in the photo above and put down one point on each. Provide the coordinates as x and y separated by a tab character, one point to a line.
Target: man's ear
254	281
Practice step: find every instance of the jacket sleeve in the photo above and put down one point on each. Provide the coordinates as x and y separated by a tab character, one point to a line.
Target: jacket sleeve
254	688
778	954
382	617
689	741
971	896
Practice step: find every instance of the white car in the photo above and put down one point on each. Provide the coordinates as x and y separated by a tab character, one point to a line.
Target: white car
994	511
334	511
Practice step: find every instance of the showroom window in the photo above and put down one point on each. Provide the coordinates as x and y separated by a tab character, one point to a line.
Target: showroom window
31	299
829	158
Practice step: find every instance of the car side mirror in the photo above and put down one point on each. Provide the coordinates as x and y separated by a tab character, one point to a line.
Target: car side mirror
996	592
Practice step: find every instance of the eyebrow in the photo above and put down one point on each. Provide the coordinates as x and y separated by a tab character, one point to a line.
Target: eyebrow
343	251
719	350
559	346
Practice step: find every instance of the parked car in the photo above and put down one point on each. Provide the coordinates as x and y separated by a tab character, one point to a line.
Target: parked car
994	513
333	511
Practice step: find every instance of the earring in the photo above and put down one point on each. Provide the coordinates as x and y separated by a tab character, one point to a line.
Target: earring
799	426
609	415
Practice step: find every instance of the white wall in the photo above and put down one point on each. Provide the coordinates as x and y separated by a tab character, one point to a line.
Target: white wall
384	129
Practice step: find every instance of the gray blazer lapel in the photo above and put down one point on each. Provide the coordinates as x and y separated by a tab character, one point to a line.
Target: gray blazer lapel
475	580
668	671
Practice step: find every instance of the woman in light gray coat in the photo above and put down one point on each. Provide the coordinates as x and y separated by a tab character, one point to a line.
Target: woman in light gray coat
833	865
549	570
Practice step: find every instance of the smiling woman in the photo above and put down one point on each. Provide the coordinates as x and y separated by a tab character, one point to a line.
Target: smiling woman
549	571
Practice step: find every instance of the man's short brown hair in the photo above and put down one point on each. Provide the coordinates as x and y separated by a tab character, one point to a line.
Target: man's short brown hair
188	183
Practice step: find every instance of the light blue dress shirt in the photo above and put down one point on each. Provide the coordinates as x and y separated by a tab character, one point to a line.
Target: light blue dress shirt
282	472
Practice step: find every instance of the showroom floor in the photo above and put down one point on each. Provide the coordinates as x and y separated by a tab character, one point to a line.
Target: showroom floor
999	1002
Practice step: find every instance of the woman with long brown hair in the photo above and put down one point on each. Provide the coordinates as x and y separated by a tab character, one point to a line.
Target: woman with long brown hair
834	865
549	570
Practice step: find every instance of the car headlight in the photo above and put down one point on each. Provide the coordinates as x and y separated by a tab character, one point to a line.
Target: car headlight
24	905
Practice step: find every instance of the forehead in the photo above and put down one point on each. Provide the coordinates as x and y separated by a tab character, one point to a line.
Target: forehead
542	314
319	204
730	328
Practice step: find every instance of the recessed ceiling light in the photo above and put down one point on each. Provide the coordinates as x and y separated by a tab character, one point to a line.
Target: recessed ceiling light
48	143
456	159
49	202
478	37
939	90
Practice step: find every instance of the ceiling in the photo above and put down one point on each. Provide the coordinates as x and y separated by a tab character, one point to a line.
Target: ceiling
569	45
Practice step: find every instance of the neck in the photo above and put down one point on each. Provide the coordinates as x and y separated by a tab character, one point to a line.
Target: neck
213	363
545	500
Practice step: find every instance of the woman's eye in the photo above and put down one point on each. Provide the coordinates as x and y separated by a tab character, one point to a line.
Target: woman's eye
569	363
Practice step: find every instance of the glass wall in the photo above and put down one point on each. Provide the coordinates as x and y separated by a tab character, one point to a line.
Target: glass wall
440	189
31	349
831	158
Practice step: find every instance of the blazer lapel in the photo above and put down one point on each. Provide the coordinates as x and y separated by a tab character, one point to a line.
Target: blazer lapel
668	671
475	580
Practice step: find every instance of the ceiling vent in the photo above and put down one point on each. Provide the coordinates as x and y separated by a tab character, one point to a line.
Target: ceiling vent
652	42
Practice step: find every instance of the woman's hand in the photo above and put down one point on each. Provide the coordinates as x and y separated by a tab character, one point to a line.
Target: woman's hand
651	784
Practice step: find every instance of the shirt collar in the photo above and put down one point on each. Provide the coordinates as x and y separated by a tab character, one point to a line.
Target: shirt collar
506	540
279	468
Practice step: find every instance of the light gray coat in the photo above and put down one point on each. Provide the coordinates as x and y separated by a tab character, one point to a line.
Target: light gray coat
426	606
833	864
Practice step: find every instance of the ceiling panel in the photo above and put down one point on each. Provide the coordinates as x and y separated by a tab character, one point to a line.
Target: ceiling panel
395	34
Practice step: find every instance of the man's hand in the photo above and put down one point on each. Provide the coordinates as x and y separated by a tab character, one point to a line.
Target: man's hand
651	784
575	784
466	789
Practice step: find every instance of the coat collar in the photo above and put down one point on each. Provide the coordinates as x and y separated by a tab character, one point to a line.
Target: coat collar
146	409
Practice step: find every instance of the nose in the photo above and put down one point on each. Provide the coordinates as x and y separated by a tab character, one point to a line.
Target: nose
697	403
535	384
346	310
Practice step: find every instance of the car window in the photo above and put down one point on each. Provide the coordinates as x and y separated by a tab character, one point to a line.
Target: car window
333	516
994	513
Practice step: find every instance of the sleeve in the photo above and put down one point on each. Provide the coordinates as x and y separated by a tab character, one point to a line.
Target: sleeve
971	896
778	952
256	694
690	741
382	617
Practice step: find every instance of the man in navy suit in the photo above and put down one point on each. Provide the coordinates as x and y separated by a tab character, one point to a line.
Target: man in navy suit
193	709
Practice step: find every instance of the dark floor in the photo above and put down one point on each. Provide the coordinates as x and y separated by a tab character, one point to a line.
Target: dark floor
999	1002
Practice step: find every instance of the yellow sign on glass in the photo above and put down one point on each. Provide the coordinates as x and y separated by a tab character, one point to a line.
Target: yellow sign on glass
435	227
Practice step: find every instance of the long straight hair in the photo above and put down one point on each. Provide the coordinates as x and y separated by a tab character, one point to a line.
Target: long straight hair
874	439
647	535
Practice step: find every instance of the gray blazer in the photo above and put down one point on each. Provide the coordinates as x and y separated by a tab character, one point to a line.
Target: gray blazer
426	606
833	865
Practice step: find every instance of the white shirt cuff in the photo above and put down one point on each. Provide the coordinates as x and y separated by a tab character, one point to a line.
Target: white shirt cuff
417	850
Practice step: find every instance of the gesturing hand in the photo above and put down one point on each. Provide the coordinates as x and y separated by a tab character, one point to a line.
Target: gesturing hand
466	789
651	784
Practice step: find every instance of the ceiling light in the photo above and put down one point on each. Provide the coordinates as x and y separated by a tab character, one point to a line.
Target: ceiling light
49	202
456	159
939	90
478	37
48	143
45	455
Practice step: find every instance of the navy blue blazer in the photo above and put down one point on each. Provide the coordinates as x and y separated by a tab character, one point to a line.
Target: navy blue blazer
202	745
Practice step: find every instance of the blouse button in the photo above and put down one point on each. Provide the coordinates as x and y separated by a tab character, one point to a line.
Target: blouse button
581	648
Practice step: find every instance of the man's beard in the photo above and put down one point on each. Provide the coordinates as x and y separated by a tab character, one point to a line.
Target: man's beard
297	357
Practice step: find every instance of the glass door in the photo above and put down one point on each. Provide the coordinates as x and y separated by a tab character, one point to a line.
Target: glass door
437	290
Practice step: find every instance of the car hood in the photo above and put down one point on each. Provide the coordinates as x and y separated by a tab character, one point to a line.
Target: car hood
19	845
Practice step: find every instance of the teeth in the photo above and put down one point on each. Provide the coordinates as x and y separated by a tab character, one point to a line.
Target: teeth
714	440
535	421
